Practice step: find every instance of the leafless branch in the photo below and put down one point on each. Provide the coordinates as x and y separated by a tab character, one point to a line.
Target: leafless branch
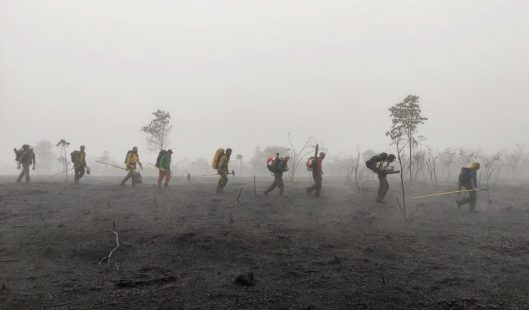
107	257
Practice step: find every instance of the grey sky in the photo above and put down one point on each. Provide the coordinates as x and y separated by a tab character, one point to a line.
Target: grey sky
244	73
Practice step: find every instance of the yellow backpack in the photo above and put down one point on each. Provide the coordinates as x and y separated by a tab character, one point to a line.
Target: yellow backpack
216	158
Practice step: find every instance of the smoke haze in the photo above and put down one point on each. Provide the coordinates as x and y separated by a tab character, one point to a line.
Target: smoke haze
245	73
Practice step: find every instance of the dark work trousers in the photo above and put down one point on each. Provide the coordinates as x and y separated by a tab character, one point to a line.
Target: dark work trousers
318	182
278	182
79	173
383	186
471	199
24	172
223	181
127	177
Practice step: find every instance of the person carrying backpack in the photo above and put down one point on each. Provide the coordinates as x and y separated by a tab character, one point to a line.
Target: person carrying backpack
468	181
223	171
25	159
79	163
164	165
383	185
379	164
317	175
277	166
131	162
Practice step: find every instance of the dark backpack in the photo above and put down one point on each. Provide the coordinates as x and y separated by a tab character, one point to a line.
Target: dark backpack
26	156
277	166
464	176
74	156
281	165
372	163
159	158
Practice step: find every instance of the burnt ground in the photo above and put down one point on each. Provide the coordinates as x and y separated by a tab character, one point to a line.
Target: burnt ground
184	248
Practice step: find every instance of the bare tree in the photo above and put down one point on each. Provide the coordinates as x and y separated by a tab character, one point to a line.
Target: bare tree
406	117
490	167
356	165
158	131
431	160
298	155
63	159
419	159
398	140
514	160
447	159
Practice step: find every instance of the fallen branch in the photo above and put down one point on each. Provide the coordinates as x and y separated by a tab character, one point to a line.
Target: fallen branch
9	260
239	196
107	258
149	282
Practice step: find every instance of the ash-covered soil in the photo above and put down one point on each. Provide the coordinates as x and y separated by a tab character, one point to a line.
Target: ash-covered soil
184	248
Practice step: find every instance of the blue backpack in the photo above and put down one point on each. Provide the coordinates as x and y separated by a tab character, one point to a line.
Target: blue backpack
465	176
277	166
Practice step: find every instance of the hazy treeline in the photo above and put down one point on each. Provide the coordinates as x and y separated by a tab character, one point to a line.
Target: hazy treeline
429	165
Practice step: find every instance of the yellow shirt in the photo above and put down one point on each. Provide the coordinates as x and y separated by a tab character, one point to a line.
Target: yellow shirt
132	161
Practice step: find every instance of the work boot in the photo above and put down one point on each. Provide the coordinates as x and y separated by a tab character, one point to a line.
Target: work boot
166	185
380	200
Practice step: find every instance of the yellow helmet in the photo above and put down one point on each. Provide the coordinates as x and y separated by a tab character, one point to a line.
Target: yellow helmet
475	166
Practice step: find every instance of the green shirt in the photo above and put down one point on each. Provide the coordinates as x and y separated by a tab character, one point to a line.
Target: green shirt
165	162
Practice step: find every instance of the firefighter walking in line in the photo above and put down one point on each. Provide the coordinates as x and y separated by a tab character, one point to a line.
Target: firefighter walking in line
379	164
79	163
468	181
165	168
223	171
317	175
25	158
277	166
132	161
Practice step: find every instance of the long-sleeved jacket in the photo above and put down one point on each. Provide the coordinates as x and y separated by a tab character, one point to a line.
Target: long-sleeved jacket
223	165
132	160
375	162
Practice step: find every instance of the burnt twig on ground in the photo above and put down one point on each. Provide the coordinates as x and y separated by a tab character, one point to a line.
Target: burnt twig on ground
107	258
239	196
148	282
245	279
8	260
